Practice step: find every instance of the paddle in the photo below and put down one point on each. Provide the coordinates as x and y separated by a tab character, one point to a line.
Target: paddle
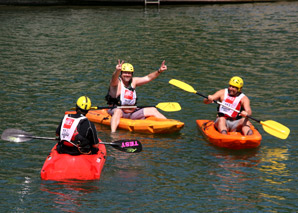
165	106
272	127
17	135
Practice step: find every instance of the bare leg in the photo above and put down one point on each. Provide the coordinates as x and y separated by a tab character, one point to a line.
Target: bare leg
221	125
116	119
246	127
152	111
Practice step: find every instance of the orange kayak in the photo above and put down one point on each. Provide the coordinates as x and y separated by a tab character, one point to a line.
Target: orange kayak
233	140
61	167
149	125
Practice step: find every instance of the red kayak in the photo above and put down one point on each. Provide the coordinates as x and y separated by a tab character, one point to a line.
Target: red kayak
73	167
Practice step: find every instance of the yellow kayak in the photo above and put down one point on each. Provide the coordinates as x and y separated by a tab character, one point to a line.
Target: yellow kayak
151	125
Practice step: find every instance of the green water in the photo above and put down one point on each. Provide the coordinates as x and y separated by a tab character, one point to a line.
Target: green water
49	56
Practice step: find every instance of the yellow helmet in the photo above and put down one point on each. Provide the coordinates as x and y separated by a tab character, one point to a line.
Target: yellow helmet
84	103
236	82
127	67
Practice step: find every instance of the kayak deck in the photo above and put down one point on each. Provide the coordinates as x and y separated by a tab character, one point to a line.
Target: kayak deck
233	140
149	125
60	167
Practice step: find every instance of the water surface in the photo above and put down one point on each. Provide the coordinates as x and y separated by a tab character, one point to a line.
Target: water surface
49	56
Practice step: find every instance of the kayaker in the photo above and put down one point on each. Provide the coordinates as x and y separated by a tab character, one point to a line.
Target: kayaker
228	120
77	135
122	93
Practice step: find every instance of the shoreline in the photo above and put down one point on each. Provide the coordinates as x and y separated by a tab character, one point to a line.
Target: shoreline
123	2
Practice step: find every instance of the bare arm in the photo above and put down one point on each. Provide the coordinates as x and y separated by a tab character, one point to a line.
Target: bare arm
246	105
138	81
216	96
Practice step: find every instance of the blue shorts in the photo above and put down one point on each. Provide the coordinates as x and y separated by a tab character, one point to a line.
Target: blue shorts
138	114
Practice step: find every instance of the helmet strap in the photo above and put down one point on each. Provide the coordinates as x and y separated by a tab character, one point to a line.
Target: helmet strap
81	111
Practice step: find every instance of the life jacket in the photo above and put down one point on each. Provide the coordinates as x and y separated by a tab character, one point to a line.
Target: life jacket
69	130
233	102
127	97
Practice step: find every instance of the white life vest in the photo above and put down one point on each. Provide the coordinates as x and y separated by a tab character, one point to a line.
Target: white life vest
127	97
69	128
233	102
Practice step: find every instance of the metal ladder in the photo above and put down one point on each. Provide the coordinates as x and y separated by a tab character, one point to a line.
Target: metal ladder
152	2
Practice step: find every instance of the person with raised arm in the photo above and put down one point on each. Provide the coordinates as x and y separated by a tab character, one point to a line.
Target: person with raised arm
122	92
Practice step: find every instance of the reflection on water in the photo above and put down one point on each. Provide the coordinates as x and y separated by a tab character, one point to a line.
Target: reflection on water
25	189
234	174
274	163
276	173
68	196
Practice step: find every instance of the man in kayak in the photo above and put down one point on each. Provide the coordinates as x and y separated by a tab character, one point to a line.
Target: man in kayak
227	119
122	93
77	135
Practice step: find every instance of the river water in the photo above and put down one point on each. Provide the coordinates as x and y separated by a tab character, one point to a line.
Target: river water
49	56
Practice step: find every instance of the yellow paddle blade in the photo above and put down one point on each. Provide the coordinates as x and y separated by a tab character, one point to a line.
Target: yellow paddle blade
276	129
169	106
182	85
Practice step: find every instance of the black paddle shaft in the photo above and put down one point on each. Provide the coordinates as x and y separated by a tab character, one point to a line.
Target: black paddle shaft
201	95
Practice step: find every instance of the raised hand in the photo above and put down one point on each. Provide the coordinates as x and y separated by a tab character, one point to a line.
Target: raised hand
119	65
163	67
